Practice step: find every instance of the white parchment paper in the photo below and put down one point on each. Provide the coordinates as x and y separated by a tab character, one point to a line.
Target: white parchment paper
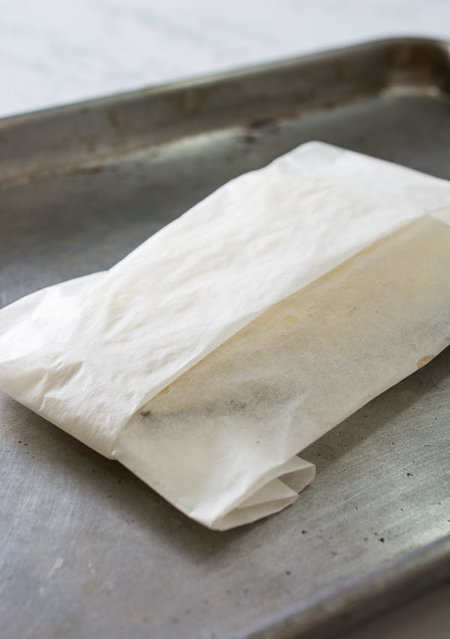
217	439
93	354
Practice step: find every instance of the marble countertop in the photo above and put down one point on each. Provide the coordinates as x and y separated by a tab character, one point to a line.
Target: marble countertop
55	52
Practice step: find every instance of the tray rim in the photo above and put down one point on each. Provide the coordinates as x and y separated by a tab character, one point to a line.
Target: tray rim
410	573
219	77
96	131
375	592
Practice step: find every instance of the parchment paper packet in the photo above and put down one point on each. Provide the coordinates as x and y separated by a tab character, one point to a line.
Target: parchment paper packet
290	261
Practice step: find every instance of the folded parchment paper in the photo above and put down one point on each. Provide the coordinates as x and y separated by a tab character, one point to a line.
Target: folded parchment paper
323	268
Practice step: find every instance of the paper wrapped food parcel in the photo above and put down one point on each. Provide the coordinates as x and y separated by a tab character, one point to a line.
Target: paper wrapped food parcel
219	349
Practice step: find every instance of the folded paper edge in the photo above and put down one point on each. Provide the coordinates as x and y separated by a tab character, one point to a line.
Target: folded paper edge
267	493
443	215
273	496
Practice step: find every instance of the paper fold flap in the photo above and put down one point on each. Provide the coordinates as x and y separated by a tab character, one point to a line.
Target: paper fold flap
90	353
215	441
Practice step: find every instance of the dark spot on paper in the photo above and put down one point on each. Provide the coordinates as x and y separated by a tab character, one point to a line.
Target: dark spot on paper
381	539
304	532
237	405
288	572
409	474
146	413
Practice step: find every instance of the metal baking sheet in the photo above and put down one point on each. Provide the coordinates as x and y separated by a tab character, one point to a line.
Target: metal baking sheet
88	550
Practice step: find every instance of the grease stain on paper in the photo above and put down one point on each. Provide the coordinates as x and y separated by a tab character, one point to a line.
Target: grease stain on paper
424	360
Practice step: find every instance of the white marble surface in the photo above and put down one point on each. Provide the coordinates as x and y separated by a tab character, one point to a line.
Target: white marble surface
58	51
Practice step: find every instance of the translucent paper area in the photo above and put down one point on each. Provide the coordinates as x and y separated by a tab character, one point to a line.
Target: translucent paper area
141	364
216	440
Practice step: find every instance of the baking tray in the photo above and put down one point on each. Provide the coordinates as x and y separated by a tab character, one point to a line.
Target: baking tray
86	548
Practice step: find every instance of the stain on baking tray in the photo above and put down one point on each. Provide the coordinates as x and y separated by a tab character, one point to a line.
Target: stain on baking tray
114	121
87	170
191	101
262	126
424	61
